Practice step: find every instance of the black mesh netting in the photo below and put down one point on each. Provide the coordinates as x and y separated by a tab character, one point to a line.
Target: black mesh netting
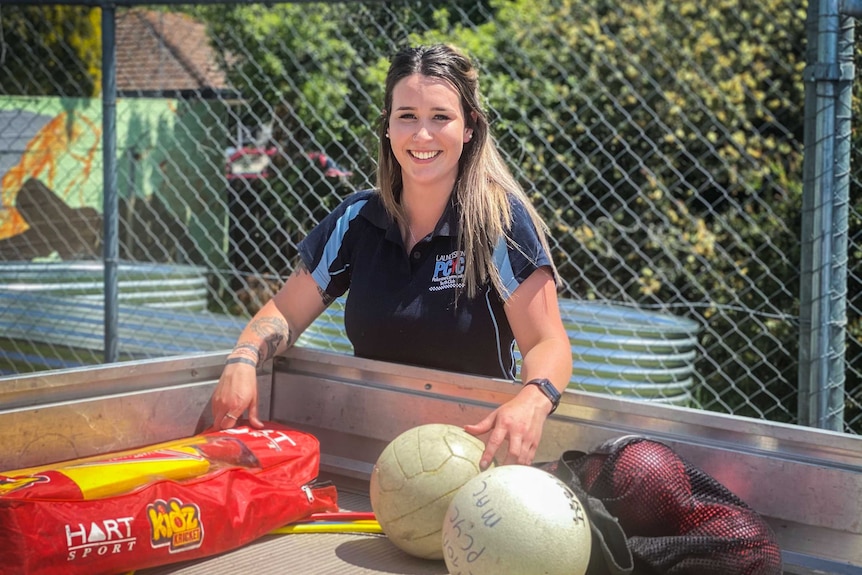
673	518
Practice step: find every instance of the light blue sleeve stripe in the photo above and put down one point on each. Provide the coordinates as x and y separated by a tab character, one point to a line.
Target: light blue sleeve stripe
322	273
504	266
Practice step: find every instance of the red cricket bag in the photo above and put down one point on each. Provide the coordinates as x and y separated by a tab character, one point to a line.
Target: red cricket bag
161	504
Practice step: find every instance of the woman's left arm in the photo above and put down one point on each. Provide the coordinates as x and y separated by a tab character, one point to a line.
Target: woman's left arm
534	314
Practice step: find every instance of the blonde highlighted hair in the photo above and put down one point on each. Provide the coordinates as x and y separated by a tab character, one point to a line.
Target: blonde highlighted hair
485	183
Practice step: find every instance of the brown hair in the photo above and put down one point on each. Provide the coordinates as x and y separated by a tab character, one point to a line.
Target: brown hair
484	185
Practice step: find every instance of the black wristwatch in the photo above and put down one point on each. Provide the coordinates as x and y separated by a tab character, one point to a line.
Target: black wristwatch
549	390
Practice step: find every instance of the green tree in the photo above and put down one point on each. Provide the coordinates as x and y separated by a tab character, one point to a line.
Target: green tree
661	139
294	71
51	50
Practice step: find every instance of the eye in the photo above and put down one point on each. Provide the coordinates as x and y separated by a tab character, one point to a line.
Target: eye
442	117
407	116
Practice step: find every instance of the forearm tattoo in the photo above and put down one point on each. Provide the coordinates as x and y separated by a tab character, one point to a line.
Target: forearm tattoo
244	353
246	349
273	332
325	297
244	360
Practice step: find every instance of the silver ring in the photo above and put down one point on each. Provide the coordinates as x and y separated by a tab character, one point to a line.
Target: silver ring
231	416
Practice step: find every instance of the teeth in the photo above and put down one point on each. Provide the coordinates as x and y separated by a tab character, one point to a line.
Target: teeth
424	155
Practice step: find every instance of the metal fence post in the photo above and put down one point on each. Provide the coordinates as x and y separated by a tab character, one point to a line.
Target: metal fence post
826	179
110	244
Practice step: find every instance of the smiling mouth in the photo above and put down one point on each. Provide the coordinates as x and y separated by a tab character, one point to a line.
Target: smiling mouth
423	155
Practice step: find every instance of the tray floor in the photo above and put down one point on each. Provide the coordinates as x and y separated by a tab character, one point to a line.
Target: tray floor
312	554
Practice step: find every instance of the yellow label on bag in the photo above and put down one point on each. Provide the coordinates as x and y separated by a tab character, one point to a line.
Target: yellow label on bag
172	444
121	474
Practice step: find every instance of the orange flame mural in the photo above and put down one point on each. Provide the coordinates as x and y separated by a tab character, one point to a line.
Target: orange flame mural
61	153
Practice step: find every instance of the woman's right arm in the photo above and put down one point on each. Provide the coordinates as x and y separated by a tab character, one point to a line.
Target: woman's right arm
271	331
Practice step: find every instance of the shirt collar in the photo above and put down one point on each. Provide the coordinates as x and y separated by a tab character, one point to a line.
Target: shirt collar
448	223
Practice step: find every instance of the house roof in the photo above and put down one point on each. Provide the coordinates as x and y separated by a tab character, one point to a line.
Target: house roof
165	54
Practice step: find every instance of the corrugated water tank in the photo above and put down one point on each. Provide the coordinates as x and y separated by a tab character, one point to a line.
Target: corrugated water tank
172	286
630	352
616	349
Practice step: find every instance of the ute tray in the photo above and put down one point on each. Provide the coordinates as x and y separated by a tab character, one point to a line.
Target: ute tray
806	482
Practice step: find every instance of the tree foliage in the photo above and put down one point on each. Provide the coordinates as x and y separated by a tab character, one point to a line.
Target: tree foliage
50	50
662	140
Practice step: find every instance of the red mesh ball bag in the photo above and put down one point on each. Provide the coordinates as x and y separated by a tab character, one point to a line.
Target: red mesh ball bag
675	518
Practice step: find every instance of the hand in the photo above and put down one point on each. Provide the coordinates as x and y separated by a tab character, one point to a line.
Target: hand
520	420
235	393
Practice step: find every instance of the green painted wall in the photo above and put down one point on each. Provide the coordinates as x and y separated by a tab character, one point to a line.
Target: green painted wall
170	154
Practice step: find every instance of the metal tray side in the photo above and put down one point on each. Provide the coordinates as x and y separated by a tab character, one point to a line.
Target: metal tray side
66	414
806	482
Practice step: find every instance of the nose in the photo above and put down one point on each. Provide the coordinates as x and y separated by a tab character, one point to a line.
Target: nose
422	133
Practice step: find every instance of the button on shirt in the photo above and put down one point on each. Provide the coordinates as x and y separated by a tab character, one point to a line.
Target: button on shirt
401	307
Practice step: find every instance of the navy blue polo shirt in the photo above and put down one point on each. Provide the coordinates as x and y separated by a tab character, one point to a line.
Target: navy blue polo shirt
401	307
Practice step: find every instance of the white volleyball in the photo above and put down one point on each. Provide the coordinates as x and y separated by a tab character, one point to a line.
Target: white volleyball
516	520
415	478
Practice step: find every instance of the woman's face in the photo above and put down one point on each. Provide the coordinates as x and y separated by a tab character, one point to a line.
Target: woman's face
427	130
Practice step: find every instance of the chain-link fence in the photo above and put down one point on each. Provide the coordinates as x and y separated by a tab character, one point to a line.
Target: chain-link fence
662	141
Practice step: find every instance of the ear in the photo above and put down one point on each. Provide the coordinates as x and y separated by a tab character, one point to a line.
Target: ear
468	133
384	118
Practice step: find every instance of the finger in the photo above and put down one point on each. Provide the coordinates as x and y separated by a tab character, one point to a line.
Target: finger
487	457
218	411
219	407
253	418
227	421
515	446
482	427
491	447
527	455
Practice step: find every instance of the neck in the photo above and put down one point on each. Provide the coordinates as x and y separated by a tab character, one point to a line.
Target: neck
423	208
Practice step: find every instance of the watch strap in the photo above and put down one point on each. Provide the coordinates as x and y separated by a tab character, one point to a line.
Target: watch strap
549	390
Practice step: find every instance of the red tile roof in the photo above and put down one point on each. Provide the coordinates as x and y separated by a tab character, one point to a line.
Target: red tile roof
164	52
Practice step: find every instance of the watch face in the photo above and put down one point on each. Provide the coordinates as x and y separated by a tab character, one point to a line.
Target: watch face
551	390
548	389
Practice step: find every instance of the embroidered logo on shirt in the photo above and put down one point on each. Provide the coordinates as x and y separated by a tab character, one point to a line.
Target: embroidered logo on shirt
448	272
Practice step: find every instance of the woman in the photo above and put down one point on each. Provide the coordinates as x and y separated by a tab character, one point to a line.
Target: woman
446	263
